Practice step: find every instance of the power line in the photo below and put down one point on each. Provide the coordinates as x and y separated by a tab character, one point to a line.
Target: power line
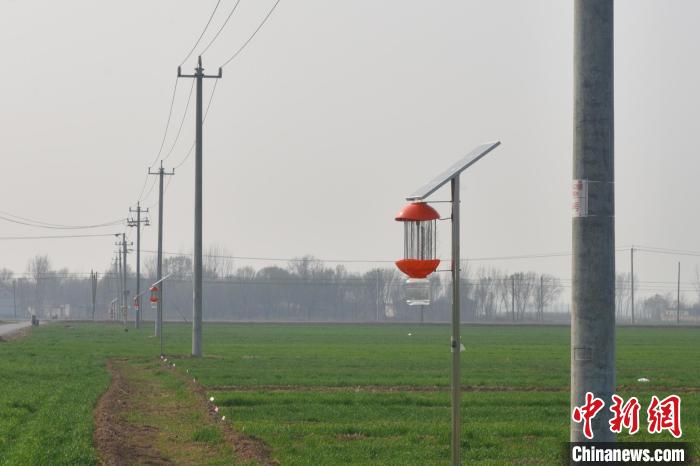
262	23
673	252
367	261
370	261
150	190
63	275
39	224
272	259
664	249
202	34
182	162
221	28
182	122
143	187
167	124
8	238
204	119
165	189
143	196
162	142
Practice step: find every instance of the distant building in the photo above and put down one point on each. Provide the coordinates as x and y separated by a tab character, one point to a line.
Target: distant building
53	311
687	316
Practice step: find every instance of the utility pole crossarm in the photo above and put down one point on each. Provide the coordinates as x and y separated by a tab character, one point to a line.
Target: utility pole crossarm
199	69
157	172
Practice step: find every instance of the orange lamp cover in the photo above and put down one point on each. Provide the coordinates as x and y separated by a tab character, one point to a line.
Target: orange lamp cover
417	212
418	268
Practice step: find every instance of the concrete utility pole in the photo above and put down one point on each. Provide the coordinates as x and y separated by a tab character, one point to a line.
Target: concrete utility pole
159	259
197	253
114	274
541	298
14	297
593	293
632	280
137	223
120	296
117	277
93	287
512	295
678	296
377	319
124	270
124	273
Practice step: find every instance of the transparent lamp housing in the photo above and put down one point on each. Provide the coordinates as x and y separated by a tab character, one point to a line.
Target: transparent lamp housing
420	240
417	291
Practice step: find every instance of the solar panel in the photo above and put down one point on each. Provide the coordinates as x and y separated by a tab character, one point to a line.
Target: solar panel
469	160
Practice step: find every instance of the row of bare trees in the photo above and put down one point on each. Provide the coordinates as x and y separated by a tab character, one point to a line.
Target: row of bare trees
307	289
492	294
38	288
657	306
304	289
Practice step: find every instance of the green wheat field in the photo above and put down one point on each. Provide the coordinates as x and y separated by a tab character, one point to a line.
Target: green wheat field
340	394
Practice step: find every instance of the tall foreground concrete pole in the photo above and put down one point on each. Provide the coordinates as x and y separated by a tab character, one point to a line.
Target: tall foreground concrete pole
197	253
197	259
159	265
593	224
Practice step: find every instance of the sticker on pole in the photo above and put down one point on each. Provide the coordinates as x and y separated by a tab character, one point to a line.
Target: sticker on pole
580	200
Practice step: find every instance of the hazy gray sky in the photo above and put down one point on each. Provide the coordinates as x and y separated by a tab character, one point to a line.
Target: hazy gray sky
333	114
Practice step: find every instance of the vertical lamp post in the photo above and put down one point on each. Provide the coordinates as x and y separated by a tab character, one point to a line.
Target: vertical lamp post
156	299
420	261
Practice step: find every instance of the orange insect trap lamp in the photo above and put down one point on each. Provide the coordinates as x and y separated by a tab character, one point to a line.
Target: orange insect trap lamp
420	249
154	296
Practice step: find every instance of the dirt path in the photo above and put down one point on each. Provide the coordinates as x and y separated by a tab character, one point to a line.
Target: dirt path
150	415
13	330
